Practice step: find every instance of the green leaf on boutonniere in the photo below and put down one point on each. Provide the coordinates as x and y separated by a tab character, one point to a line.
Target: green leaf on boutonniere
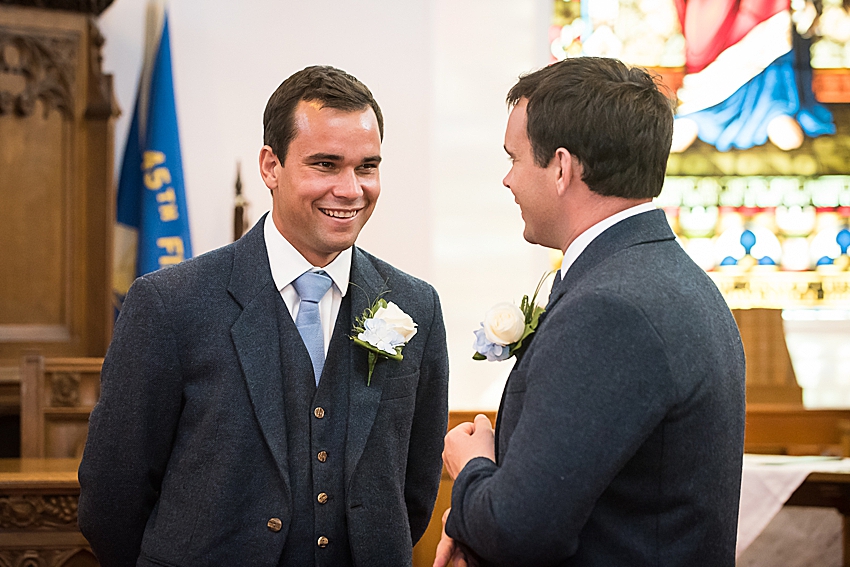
377	351
533	313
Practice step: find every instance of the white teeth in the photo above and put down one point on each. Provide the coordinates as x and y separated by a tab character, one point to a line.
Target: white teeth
339	214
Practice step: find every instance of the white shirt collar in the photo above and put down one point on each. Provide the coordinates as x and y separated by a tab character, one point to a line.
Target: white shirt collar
287	263
584	239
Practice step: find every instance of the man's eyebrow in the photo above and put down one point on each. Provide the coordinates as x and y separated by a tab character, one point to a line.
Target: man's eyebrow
338	158
324	157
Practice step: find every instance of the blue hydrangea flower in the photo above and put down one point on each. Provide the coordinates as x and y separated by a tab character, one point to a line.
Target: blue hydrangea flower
381	335
492	351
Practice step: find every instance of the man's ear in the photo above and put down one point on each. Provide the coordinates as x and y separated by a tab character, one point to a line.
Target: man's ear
268	167
568	170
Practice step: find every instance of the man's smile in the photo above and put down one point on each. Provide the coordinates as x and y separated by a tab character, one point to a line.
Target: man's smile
340	213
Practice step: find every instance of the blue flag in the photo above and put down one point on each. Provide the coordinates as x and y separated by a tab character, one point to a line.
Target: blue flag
153	222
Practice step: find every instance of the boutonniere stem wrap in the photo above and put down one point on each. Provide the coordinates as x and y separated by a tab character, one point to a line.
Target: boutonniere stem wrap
383	330
506	327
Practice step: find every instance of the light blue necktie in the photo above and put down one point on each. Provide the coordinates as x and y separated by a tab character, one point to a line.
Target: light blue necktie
311	288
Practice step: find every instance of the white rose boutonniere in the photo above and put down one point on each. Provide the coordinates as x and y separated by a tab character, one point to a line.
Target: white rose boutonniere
400	321
506	326
383	330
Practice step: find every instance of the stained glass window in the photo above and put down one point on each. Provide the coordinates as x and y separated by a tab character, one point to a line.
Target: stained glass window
648	32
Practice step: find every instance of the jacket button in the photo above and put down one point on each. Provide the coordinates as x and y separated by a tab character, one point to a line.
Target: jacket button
319	413
323	497
275	524
322	456
323	541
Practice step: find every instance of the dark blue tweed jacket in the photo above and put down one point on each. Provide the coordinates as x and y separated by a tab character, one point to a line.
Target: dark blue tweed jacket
186	459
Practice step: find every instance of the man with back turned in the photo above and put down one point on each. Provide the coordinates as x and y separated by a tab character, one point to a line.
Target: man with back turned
620	435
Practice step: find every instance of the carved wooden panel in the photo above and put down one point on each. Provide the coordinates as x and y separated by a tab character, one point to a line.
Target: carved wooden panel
56	113
89	6
38	515
57	396
75	557
39	73
38	512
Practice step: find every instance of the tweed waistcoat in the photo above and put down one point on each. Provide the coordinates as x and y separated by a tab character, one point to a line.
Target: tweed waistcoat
316	421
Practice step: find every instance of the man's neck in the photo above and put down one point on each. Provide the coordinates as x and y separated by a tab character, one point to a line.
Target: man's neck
593	209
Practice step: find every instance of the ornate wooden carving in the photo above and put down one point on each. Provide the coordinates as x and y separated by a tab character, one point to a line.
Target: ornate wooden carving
38	515
38	65
46	558
88	6
65	390
30	511
101	102
56	124
58	395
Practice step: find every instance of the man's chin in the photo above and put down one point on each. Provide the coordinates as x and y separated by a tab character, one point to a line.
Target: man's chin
529	236
546	243
339	245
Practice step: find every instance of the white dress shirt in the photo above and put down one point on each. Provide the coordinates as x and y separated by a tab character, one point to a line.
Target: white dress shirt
287	264
584	239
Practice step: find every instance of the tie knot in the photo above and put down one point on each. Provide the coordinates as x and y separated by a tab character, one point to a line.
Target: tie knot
312	286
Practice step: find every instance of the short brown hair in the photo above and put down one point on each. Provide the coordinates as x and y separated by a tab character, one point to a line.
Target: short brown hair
332	87
612	118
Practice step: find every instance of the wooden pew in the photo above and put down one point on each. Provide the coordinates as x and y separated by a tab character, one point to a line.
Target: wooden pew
57	396
39	492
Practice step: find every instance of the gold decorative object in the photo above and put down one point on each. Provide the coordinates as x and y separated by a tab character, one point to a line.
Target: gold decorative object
783	290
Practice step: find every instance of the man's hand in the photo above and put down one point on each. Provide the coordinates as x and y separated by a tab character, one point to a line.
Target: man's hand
448	555
467	441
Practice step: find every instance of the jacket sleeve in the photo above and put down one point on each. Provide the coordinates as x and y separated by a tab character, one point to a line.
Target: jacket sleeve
592	387
424	461
131	429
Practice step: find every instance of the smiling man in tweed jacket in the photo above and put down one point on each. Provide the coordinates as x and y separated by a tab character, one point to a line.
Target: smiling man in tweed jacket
215	440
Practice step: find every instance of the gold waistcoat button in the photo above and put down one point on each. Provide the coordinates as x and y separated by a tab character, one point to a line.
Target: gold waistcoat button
322	456
275	524
323	497
319	413
323	541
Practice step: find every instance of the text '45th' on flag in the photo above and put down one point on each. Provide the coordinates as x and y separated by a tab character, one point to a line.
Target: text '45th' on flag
152	229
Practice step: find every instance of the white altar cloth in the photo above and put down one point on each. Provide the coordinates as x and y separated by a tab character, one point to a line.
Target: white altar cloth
767	483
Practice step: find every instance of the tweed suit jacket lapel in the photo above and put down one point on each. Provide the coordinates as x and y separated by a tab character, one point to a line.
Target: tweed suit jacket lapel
643	228
365	286
256	338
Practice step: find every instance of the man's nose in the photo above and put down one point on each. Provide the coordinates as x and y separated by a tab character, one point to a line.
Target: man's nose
349	185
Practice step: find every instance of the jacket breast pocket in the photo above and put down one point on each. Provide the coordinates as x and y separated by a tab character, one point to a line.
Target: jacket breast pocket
400	386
